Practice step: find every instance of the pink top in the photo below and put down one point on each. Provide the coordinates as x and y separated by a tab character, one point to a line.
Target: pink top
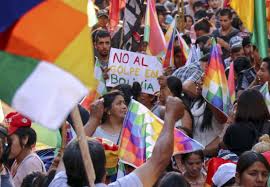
30	164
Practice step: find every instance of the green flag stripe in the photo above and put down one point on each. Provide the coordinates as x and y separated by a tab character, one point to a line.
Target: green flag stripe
14	70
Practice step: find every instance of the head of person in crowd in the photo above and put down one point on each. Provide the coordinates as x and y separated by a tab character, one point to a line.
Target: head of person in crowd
263	145
178	57
202	28
237	23
200	14
35	179
225	19
214	4
252	170
225	175
193	163
203	42
74	165
188	22
204	61
211	16
22	138
247	46
236	47
102	40
241	63
252	110
264	71
162	12
173	179
115	107
198	5
103	18
250	121
129	91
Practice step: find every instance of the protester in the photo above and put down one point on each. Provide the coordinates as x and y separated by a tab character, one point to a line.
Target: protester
22	138
107	117
146	175
102	40
252	170
226	32
249	124
193	163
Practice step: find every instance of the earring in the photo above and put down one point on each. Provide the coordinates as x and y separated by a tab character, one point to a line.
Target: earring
109	113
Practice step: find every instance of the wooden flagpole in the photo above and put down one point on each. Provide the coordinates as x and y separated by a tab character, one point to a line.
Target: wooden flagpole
88	165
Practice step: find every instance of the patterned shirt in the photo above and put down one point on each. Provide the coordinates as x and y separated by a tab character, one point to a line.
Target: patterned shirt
191	72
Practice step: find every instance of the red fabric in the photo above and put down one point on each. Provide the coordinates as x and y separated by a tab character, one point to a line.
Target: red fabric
213	165
15	120
114	14
267	156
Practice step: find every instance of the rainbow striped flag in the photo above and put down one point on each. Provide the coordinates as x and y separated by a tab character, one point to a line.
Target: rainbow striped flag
169	54
231	83
215	86
153	34
140	132
46	60
265	92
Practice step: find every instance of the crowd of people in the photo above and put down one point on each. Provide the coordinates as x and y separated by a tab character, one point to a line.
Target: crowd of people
237	147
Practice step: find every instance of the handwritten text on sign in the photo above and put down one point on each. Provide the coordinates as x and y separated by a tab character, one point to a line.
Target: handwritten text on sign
127	67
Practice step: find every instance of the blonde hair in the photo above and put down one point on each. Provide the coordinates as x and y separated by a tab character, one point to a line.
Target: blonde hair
263	145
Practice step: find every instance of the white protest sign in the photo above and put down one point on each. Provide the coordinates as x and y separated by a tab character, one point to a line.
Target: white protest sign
127	67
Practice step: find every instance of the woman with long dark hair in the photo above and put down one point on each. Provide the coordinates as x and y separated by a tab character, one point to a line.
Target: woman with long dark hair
107	116
251	121
209	123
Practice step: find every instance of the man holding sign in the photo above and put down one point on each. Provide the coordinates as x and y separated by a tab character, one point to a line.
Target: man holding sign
127	67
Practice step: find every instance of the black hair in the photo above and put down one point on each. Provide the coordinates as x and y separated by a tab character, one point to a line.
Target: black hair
267	60
247	159
35	179
22	132
237	23
251	107
108	100
175	86
186	156
236	49
129	91
200	14
226	12
246	41
187	39
240	64
210	15
203	25
101	33
188	16
76	175
207	116
198	4
173	179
